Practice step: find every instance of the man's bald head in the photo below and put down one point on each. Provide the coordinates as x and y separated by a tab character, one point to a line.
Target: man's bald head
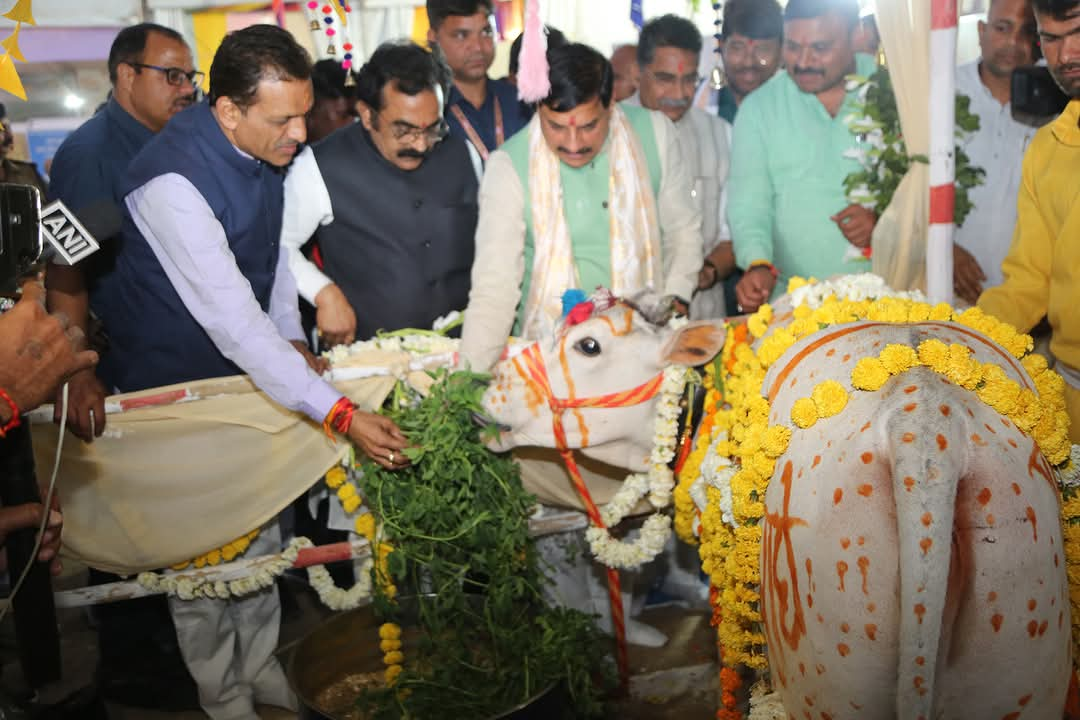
624	63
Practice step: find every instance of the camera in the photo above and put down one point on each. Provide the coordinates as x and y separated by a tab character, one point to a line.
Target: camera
20	233
1035	94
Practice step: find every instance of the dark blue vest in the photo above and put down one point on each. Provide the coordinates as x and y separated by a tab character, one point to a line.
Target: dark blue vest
153	339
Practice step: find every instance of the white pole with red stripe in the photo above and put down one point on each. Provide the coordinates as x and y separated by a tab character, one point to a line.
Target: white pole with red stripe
939	239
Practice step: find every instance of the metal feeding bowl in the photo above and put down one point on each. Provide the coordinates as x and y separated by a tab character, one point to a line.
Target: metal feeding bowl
348	644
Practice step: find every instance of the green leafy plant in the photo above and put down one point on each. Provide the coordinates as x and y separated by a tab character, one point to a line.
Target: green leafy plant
457	519
884	158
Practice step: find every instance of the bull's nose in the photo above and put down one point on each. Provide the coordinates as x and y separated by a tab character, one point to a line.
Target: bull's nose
486	421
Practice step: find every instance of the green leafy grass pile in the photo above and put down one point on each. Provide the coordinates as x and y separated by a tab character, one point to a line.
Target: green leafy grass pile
457	519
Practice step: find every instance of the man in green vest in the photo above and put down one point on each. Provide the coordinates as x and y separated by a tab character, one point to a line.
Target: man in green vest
589	194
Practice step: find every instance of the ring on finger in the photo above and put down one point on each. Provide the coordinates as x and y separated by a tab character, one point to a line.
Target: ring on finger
390	457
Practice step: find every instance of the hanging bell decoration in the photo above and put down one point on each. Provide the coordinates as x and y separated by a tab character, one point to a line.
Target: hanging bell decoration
314	26
331	50
717	78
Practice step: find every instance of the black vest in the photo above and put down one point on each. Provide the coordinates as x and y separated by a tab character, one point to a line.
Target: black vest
402	242
153	338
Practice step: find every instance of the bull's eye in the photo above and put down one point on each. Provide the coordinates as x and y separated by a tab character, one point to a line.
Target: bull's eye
587	346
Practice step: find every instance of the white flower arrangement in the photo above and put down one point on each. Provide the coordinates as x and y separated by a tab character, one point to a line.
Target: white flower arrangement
658	486
717	471
194	585
1069	473
863	286
419	345
336	598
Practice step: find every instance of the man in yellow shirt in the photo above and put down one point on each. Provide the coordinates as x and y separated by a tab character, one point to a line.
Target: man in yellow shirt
1042	269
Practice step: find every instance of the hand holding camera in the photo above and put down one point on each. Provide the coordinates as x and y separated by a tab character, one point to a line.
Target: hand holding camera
38	352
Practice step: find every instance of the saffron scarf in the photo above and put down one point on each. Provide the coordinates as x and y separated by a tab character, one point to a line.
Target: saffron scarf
635	231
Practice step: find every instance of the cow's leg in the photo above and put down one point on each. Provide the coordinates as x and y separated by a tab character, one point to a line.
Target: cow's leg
679	568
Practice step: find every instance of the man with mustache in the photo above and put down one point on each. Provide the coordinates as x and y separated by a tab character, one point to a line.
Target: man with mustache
391	202
592	193
481	111
668	52
552	219
787	209
153	77
1007	41
203	290
1042	267
750	37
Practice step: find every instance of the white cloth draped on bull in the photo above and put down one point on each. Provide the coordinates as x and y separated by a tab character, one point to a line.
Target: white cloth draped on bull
184	469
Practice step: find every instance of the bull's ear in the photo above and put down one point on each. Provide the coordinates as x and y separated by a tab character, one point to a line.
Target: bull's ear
693	344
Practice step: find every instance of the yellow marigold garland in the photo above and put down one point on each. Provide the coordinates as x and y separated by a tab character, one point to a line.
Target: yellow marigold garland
226	553
730	554
390	644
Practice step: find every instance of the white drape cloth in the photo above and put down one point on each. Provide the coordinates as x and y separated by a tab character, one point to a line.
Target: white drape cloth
899	239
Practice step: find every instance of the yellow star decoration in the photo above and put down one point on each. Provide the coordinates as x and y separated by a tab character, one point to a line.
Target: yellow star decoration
9	76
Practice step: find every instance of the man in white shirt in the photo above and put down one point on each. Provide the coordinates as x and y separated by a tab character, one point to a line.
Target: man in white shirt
392	203
668	51
1007	41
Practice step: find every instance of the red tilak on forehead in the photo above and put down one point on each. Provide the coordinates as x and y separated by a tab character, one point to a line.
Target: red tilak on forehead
573	121
682	67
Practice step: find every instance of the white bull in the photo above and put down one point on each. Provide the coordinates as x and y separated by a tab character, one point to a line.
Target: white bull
912	558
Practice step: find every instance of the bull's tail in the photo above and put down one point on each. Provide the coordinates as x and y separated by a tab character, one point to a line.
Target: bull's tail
928	462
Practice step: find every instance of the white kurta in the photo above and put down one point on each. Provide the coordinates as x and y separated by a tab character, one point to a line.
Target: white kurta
998	148
703	139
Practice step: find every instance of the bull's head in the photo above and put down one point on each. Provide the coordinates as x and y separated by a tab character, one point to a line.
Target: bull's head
614	351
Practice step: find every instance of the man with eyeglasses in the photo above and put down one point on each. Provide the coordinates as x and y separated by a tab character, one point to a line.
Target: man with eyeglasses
391	201
153	77
482	111
668	52
790	153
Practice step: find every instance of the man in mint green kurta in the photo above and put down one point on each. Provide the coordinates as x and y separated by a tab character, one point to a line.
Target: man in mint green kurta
787	209
578	133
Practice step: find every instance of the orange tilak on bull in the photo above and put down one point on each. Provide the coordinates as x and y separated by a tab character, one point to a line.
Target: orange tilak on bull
538	379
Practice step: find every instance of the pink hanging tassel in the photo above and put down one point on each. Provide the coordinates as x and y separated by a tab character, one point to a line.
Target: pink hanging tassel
532	80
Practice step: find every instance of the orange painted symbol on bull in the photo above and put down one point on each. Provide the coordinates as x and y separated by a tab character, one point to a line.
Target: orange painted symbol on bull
776	538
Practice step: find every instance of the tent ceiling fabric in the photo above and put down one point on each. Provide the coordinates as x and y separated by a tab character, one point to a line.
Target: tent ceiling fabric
80	13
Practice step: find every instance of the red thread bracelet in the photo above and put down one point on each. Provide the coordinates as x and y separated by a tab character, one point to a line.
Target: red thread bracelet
765	264
15	419
339	418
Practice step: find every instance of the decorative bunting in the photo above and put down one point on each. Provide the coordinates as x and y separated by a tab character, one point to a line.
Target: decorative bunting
637	16
21	13
11	44
328	22
9	76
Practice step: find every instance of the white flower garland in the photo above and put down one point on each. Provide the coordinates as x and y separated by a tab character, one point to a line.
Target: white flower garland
419	344
190	586
1069	473
658	486
334	597
717	471
863	286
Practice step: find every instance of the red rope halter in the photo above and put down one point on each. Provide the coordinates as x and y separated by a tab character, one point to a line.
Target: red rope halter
538	379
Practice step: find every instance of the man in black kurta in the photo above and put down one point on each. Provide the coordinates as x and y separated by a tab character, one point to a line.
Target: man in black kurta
391	202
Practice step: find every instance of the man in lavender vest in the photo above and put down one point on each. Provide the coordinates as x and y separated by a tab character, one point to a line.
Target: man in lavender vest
203	290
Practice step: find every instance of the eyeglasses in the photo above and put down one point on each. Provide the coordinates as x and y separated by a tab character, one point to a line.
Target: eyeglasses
433	134
174	75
